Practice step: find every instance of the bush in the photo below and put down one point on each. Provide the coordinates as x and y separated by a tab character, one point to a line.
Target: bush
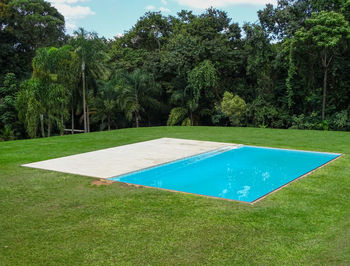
234	107
341	121
312	122
263	114
7	134
178	116
218	118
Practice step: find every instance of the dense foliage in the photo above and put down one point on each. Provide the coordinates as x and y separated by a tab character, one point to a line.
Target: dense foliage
290	70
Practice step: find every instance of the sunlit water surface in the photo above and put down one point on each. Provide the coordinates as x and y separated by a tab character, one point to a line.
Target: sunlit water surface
245	173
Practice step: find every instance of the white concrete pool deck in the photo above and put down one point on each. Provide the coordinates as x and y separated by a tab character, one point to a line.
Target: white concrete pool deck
128	158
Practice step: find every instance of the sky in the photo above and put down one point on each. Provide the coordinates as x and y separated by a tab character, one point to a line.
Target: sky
110	18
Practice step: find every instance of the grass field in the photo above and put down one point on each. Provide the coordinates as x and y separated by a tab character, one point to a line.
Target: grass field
49	218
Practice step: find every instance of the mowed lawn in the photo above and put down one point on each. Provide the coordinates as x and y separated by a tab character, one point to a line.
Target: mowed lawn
49	218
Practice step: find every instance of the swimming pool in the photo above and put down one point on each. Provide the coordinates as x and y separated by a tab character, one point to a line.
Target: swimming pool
243	173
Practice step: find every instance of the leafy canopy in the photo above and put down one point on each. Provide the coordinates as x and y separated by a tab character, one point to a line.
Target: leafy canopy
325	29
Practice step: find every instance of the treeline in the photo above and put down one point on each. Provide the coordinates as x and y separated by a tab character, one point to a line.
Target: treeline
289	70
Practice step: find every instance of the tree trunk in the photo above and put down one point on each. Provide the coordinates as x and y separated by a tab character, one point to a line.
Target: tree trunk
191	117
87	109
325	63
137	119
62	126
137	116
109	122
42	125
324	93
72	117
84	97
48	126
88	117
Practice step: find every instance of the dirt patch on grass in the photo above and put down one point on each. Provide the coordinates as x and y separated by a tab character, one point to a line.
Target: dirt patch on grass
127	185
101	182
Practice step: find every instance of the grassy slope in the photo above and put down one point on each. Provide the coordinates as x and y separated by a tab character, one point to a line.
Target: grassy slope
52	218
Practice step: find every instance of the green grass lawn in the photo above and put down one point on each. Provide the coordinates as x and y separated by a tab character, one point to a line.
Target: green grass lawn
49	218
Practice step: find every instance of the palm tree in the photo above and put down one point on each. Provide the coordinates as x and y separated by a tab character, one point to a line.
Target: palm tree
68	74
42	101
90	50
50	91
106	103
137	91
184	113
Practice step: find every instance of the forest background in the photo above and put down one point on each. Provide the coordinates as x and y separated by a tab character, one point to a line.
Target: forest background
289	70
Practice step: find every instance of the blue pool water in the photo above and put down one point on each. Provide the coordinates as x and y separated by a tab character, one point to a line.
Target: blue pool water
245	173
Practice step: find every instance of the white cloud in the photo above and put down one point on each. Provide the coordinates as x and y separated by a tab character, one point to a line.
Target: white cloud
161	9
71	11
66	1
164	2
119	35
164	9
150	7
74	12
202	4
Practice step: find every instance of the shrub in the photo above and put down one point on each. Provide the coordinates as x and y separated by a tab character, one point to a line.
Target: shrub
178	116
341	121
233	107
7	134
309	122
263	114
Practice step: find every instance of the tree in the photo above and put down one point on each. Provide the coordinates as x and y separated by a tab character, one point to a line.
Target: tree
29	107
45	96
288	16
8	112
176	69
201	80
324	31
26	25
41	102
137	91
233	107
149	33
68	75
201	46
57	67
91	52
106	104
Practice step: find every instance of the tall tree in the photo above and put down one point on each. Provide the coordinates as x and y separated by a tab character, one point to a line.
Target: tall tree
137	93
41	103
8	112
47	92
91	52
325	31
149	33
26	25
202	81
68	69
288	16
107	104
